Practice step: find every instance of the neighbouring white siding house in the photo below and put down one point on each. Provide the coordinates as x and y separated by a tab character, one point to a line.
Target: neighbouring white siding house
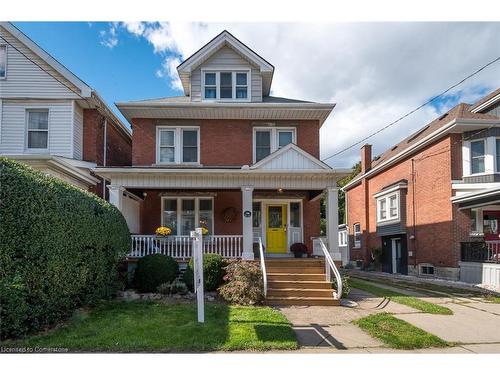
42	110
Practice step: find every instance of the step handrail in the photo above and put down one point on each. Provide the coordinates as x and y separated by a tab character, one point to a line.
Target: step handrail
330	264
262	264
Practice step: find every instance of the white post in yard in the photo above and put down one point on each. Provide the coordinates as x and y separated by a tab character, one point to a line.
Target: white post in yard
197	236
116	196
246	197
332	222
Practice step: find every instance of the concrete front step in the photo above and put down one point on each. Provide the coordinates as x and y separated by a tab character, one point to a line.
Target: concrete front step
299	292
295	276
301	270
301	284
302	301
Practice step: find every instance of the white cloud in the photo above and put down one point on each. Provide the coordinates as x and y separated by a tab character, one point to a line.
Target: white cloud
375	72
109	38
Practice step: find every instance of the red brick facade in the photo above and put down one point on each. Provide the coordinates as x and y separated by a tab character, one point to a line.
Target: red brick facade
222	142
437	226
118	145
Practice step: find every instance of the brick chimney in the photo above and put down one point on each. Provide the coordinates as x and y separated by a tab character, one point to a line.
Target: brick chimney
366	158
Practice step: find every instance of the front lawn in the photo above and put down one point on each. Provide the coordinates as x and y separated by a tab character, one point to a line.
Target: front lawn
410	301
158	327
397	333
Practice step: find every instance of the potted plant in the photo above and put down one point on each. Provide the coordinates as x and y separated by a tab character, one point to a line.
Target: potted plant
163	231
298	249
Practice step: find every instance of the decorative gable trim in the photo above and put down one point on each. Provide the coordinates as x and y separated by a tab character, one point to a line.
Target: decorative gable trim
290	157
225	38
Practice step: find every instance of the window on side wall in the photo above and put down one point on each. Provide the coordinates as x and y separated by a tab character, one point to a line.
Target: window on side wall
3	61
357	234
477	150
37	129
177	145
498	155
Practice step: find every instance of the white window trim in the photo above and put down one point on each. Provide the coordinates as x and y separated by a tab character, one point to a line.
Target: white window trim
485	144
6	60
179	210
217	71
178	144
26	129
386	198
357	244
273	139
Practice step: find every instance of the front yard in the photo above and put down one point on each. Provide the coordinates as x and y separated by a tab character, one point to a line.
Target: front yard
159	327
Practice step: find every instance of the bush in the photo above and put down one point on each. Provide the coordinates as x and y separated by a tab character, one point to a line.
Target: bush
346	284
60	248
213	272
154	270
175	287
244	285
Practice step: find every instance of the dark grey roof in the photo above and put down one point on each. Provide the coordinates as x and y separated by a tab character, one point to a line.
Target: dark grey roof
186	99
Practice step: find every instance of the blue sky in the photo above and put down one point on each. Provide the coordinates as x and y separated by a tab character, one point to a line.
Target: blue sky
372	80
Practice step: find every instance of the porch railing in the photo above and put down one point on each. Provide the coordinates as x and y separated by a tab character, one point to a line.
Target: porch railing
480	251
329	267
180	247
262	263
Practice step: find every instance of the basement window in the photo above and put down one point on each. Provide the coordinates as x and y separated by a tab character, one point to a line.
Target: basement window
426	269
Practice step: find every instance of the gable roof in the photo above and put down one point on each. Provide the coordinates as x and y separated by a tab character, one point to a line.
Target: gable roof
461	111
85	91
486	101
225	38
290	157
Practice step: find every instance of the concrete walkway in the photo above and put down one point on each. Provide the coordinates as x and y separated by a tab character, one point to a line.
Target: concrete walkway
474	327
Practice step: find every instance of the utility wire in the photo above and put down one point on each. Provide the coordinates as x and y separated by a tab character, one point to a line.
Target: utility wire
412	111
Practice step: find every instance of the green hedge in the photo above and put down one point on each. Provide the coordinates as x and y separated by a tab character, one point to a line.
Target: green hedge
154	270
213	272
59	249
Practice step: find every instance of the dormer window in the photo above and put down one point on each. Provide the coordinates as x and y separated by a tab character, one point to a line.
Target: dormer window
226	85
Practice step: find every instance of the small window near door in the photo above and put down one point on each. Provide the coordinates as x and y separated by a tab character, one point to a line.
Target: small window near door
275	219
257	214
295	214
357	235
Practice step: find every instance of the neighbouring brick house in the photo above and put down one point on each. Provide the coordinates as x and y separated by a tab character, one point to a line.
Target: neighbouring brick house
431	202
226	156
52	120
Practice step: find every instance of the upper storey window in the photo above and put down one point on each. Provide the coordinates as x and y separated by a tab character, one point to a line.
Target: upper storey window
268	140
226	85
38	129
176	145
3	61
477	156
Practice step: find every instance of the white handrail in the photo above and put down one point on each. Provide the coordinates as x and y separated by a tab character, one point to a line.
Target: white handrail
330	264
262	265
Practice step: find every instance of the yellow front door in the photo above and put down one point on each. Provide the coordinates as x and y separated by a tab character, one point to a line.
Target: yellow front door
276	241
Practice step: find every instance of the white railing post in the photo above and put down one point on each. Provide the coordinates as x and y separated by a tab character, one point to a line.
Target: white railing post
262	265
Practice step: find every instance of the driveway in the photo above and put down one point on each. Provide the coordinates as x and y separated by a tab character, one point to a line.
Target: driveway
474	325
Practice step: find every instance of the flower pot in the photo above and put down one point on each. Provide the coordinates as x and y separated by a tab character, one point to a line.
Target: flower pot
298	254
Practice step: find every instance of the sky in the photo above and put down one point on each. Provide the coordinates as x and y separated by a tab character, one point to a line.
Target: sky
374	72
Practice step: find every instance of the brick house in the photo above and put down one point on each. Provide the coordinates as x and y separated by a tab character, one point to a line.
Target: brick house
226	156
52	120
431	201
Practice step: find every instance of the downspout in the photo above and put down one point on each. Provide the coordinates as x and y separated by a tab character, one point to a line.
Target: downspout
105	143
413	179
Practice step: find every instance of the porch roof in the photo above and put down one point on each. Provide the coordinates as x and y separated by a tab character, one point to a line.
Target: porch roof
222	178
480	198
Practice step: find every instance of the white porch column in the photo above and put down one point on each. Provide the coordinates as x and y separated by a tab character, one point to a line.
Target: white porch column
246	198
116	196
332	221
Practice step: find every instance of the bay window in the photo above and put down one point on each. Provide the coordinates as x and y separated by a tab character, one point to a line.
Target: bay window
226	85
184	214
37	129
268	140
477	156
388	207
177	145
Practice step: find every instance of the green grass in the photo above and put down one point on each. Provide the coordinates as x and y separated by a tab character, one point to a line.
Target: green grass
397	333
157	327
410	301
492	299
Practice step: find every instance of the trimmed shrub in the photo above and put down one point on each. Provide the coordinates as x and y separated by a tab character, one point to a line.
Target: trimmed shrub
346	284
154	270
175	287
244	285
60	247
213	272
